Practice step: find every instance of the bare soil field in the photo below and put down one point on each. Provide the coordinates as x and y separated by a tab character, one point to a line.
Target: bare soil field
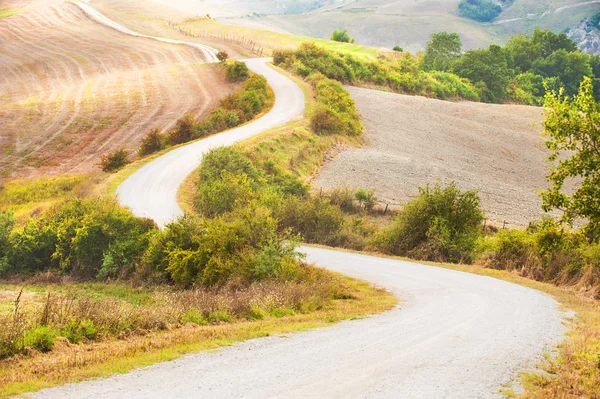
413	141
72	89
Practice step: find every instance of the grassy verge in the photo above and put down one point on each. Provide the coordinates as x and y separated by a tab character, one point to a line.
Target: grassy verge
75	362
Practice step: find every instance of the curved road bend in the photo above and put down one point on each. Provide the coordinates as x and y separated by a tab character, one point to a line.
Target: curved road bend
455	335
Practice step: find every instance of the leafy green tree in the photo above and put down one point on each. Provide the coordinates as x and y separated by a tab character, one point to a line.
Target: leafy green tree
570	68
549	42
341	35
441	52
487	69
398	48
573	128
479	10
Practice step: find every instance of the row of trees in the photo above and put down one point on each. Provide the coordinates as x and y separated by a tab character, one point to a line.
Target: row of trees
519	71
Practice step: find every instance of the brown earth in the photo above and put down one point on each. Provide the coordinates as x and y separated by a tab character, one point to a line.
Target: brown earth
413	141
72	89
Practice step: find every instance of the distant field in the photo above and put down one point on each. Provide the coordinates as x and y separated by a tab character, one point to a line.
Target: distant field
385	23
71	89
413	141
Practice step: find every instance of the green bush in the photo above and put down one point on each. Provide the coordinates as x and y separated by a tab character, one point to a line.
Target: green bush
151	143
114	161
77	330
237	71
40	338
398	48
85	238
194	316
479	10
442	224
222	195
366	198
342	36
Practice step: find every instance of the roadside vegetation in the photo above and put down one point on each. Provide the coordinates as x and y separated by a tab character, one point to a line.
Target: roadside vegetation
254	97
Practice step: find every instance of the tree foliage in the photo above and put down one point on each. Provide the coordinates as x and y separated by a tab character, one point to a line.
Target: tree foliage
341	35
479	10
442	50
573	128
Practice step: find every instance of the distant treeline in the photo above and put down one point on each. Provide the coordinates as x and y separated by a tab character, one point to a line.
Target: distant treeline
522	71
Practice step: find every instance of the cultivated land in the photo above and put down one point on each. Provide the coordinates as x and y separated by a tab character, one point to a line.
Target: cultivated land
72	89
412	141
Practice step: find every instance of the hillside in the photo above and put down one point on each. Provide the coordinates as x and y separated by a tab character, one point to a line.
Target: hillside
413	141
73	89
385	23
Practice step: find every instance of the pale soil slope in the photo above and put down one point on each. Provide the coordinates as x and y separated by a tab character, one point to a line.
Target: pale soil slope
412	141
72	89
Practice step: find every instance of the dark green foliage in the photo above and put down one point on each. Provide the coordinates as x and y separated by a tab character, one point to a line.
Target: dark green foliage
443	224
7	224
341	35
85	238
399	74
398	48
574	140
442	50
237	71
479	10
488	70
114	161
151	143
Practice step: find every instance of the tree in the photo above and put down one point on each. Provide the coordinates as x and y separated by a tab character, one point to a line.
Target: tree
573	128
398	48
570	68
341	35
114	161
479	10
488	70
441	52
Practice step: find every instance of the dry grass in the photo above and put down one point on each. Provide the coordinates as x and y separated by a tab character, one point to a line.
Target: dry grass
70	363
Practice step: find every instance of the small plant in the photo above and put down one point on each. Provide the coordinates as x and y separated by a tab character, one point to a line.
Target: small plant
219	316
151	143
77	330
398	48
366	198
184	131
342	36
222	56
194	316
40	338
114	161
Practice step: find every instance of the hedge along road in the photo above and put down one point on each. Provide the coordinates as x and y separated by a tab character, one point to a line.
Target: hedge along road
455	335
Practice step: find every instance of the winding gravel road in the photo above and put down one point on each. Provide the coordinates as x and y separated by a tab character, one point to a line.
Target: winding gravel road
455	335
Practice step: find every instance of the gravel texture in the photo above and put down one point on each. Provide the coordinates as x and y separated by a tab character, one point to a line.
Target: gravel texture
456	335
412	141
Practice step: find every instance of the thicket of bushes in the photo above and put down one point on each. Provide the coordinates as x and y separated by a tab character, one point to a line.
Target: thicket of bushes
400	74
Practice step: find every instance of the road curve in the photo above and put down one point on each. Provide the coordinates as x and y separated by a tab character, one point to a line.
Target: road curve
152	190
455	335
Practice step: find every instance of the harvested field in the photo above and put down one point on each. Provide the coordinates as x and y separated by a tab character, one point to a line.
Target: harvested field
412	141
72	89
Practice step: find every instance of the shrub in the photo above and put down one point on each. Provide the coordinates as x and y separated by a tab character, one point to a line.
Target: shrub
219	196
194	316
151	143
479	10
114	161
342	197
341	35
222	56
398	48
316	220
236	71
184	131
366	198
77	330
442	224
40	338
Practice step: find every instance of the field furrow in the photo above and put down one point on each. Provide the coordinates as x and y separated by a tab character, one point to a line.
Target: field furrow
73	89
